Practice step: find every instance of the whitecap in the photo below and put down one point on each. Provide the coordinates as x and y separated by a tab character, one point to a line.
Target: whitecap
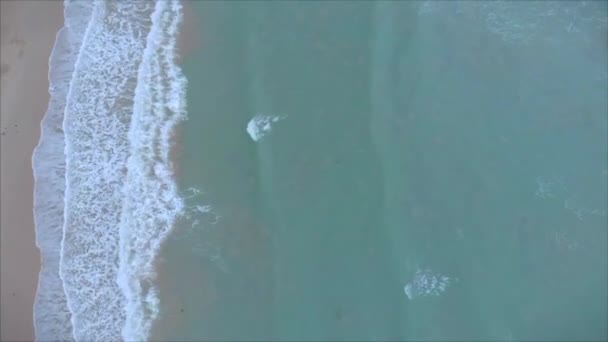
261	125
427	283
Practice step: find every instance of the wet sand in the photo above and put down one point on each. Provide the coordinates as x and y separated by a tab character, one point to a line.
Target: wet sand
27	36
189	40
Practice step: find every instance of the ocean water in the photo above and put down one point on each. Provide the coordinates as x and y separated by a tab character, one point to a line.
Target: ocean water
436	171
426	170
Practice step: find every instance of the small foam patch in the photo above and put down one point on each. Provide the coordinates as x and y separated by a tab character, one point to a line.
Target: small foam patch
261	125
426	283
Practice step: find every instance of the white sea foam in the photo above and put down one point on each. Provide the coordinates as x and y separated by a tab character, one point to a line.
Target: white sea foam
96	122
51	314
151	202
105	197
426	283
260	126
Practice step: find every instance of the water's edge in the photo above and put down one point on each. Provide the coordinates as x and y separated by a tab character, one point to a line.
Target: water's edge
105	195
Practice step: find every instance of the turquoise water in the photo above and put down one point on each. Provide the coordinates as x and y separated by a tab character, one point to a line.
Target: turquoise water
418	141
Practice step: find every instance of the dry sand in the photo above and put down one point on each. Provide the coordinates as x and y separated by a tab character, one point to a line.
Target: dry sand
27	34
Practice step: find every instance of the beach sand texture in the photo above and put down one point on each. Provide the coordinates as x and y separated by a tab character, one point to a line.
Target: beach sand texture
27	36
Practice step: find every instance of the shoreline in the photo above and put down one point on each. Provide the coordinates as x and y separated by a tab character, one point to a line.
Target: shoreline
25	61
28	34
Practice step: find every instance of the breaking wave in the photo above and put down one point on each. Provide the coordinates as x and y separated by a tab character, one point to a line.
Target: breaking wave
105	194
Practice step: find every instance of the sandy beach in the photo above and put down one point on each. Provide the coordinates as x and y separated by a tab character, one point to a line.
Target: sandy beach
27	36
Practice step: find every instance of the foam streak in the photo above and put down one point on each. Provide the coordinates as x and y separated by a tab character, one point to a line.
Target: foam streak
96	124
151	201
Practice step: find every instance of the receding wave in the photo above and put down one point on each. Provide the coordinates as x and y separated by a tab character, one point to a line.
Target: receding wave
105	197
51	314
